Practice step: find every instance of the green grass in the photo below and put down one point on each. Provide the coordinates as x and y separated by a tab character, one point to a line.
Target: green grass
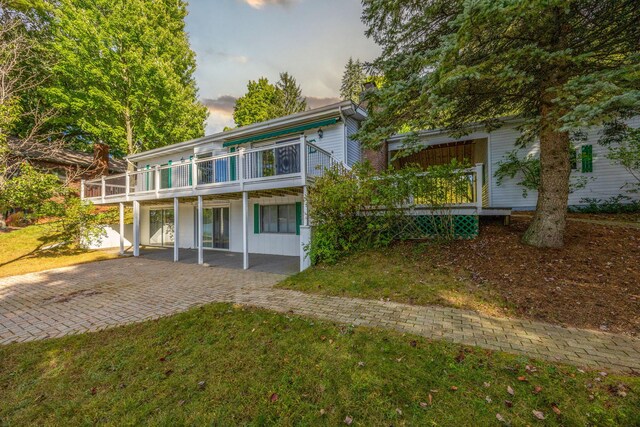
399	273
226	365
21	252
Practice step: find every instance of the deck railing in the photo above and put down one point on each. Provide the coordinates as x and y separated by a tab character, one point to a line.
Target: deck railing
464	188
243	166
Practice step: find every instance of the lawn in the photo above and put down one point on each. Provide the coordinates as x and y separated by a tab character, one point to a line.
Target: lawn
497	274
20	252
228	365
401	273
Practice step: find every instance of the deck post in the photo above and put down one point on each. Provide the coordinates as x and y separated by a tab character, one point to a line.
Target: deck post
303	159
136	228
200	231
194	173
82	189
157	179
245	231
176	229
479	185
121	228
127	184
104	188
305	232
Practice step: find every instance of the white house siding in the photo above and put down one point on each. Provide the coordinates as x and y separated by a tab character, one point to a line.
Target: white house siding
332	140
111	237
605	181
354	151
262	243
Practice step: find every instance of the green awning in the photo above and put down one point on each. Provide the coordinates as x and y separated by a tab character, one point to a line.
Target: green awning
276	133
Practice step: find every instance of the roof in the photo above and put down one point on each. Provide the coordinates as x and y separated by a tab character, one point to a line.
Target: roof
247	133
62	156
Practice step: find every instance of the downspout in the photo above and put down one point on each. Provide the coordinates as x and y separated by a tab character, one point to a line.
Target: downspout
345	137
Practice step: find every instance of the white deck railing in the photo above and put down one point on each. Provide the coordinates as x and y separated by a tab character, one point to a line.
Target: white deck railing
244	166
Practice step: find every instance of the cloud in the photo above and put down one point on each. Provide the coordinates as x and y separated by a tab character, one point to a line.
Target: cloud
314	102
259	4
223	104
240	59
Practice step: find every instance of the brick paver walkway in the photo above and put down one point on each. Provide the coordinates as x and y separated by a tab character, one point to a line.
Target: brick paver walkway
95	296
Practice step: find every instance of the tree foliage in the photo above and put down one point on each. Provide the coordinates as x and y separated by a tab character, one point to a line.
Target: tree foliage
558	64
124	73
264	101
353	80
361	208
623	143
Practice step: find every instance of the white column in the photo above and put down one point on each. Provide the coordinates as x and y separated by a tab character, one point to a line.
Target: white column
200	226
245	230
176	229
104	188
305	232
127	183
82	189
136	228
303	158
121	228
479	185
157	179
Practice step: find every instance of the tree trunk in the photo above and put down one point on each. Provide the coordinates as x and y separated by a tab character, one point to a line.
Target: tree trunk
548	225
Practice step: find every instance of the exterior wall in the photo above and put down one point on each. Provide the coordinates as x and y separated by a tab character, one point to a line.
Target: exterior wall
354	152
112	237
262	243
606	180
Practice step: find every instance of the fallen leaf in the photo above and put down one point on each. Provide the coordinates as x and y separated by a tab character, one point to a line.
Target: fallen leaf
508	403
487	385
274	397
510	390
556	409
538	414
500	418
413	343
454	388
348	420
522	378
537	389
322	411
488	399
201	385
430	398
603	374
423	404
361	364
399	411
460	357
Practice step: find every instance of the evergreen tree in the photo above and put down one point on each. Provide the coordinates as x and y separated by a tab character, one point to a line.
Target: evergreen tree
124	73
559	65
353	81
289	99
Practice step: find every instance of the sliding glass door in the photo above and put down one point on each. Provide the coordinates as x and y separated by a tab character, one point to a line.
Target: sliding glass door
161	228
215	227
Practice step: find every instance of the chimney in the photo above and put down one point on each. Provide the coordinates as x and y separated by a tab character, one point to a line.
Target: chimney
101	158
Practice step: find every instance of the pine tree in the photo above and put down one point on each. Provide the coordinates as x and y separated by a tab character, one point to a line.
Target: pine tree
124	73
559	65
289	99
353	81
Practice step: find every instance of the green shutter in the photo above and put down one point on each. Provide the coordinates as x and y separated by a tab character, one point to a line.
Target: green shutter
170	170
587	158
232	166
256	218
298	217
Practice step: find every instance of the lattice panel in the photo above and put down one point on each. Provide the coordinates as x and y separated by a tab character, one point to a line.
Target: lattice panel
420	226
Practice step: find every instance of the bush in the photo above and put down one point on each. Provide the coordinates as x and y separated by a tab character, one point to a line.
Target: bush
615	204
359	208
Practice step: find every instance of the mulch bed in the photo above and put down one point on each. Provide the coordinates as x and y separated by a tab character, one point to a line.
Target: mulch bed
592	282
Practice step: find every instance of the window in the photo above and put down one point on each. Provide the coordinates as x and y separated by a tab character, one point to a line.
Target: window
278	218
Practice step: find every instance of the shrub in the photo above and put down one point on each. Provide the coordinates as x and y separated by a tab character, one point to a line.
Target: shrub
359	208
615	204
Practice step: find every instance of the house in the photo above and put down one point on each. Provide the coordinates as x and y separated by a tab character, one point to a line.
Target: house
242	191
69	165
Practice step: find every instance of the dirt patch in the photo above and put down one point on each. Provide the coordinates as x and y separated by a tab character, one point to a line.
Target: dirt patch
593	282
71	295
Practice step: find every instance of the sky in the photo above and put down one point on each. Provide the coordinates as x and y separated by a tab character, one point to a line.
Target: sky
240	40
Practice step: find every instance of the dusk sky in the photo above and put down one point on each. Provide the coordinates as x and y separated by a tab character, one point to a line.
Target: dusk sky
240	40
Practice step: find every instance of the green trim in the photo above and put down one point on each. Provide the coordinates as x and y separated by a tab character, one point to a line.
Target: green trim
170	162
232	164
281	132
298	217
256	218
587	158
190	170
147	176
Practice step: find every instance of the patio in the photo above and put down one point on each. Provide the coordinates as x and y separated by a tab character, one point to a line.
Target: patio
276	264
